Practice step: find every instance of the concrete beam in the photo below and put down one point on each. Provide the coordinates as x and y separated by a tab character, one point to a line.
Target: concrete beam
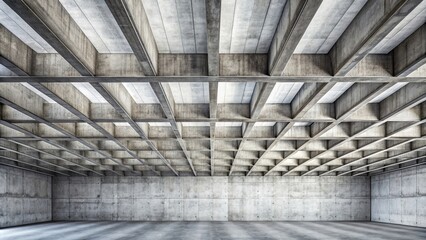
14	54
10	162
53	23
375	20
411	53
75	106
397	163
213	31
119	98
167	104
296	16
133	21
299	106
37	158
167	79
395	157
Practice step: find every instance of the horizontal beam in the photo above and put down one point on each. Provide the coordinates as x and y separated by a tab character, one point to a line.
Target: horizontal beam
23	168
56	26
411	53
283	79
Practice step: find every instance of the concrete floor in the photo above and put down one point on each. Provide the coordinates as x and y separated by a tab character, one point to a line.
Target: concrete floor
212	230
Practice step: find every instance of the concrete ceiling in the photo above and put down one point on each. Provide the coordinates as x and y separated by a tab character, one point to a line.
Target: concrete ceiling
168	87
406	27
14	23
96	21
328	24
179	26
248	26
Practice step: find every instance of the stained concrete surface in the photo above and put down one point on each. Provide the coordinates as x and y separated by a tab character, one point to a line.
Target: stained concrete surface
211	199
400	197
25	197
212	230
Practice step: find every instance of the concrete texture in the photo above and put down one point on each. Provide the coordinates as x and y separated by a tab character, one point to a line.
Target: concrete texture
213	230
25	197
212	198
400	197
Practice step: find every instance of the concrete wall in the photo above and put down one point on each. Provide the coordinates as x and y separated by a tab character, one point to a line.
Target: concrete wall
211	199
25	197
400	197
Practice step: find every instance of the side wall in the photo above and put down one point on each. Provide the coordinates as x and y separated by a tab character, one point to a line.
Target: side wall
25	197
211	199
400	197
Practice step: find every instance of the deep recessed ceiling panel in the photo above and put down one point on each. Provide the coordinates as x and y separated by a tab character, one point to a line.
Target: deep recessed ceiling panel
179	26
90	92
141	92
42	95
190	92
415	19
330	21
239	92
284	92
248	26
15	24
335	92
388	92
4	71
96	21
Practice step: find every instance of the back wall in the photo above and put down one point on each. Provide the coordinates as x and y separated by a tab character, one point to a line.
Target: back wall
211	198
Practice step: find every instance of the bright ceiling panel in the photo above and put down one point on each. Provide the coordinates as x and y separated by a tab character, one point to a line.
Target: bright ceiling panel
97	22
141	92
90	92
284	92
248	26
328	24
15	24
190	92
235	92
178	26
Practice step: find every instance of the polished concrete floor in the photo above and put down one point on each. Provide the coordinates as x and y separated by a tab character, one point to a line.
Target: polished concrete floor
212	230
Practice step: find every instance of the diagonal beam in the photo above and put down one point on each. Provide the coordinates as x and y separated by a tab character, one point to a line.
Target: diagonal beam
385	159
364	97
261	94
53	23
307	97
2	162
108	95
411	53
372	24
133	21
390	165
38	158
379	140
167	104
55	156
28	133
414	98
32	113
50	92
15	55
296	16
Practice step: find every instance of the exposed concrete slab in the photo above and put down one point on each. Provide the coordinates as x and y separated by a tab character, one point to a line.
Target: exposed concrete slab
399	198
54	28
212	198
375	20
25	197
